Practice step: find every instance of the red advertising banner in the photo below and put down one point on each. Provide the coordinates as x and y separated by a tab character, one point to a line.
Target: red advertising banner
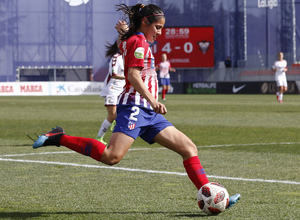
186	47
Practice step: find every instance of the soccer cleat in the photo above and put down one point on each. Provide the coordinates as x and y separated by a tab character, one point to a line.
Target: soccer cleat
100	139
49	138
112	126
233	199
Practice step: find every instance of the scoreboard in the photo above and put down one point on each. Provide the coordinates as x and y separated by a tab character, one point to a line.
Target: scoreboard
186	47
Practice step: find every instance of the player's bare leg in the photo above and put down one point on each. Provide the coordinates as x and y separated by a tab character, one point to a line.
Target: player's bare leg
112	113
175	140
118	146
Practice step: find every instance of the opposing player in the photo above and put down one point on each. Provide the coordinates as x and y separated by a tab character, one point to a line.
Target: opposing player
164	74
114	83
280	69
138	113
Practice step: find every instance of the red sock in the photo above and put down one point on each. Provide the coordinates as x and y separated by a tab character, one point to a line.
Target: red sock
163	94
195	171
86	146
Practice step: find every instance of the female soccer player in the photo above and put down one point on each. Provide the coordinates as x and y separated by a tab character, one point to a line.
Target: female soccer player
138	112
280	68
114	83
164	67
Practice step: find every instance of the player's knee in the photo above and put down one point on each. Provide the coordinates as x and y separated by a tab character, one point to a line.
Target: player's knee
194	149
190	151
113	160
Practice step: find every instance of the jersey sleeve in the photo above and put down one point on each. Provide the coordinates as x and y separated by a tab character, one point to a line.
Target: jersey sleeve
135	55
114	66
119	66
110	67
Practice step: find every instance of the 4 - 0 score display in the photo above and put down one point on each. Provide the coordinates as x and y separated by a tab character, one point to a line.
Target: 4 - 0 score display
186	47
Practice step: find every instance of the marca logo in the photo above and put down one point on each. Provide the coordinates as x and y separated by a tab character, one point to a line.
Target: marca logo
31	88
77	2
6	89
267	3
204	46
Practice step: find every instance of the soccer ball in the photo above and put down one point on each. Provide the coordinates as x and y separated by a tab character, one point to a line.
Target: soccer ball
213	198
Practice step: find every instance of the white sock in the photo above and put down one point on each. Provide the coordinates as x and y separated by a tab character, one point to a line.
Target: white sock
104	127
277	93
280	97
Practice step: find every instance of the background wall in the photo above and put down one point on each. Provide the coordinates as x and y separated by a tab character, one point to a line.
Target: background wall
56	33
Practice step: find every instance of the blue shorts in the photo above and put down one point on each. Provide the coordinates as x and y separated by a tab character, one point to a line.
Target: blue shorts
165	81
135	121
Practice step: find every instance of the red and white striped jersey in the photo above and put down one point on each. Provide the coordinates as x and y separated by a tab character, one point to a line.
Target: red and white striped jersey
137	53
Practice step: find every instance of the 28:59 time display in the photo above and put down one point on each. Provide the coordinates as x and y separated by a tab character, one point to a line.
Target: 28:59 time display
175	31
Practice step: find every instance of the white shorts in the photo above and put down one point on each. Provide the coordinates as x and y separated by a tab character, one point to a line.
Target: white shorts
110	100
281	81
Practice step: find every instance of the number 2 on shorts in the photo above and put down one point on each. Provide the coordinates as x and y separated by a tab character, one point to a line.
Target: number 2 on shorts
135	111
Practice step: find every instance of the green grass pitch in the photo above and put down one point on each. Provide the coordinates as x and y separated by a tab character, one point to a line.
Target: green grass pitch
249	143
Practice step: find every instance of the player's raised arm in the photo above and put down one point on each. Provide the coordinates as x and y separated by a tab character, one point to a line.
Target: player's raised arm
121	28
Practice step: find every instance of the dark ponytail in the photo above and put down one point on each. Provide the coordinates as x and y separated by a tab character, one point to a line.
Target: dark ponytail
136	13
111	49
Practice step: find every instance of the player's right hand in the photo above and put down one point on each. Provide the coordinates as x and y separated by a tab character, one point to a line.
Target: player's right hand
159	108
121	27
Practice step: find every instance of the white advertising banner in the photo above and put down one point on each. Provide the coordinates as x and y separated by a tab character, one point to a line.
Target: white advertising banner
50	88
76	88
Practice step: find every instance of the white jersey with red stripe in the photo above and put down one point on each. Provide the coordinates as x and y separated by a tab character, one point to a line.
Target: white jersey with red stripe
164	68
137	53
114	86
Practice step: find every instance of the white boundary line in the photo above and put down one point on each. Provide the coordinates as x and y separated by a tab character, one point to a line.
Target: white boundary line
253	144
148	171
145	171
43	153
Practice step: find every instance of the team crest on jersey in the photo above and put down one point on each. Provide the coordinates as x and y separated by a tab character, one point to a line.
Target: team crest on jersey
139	53
204	46
131	125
